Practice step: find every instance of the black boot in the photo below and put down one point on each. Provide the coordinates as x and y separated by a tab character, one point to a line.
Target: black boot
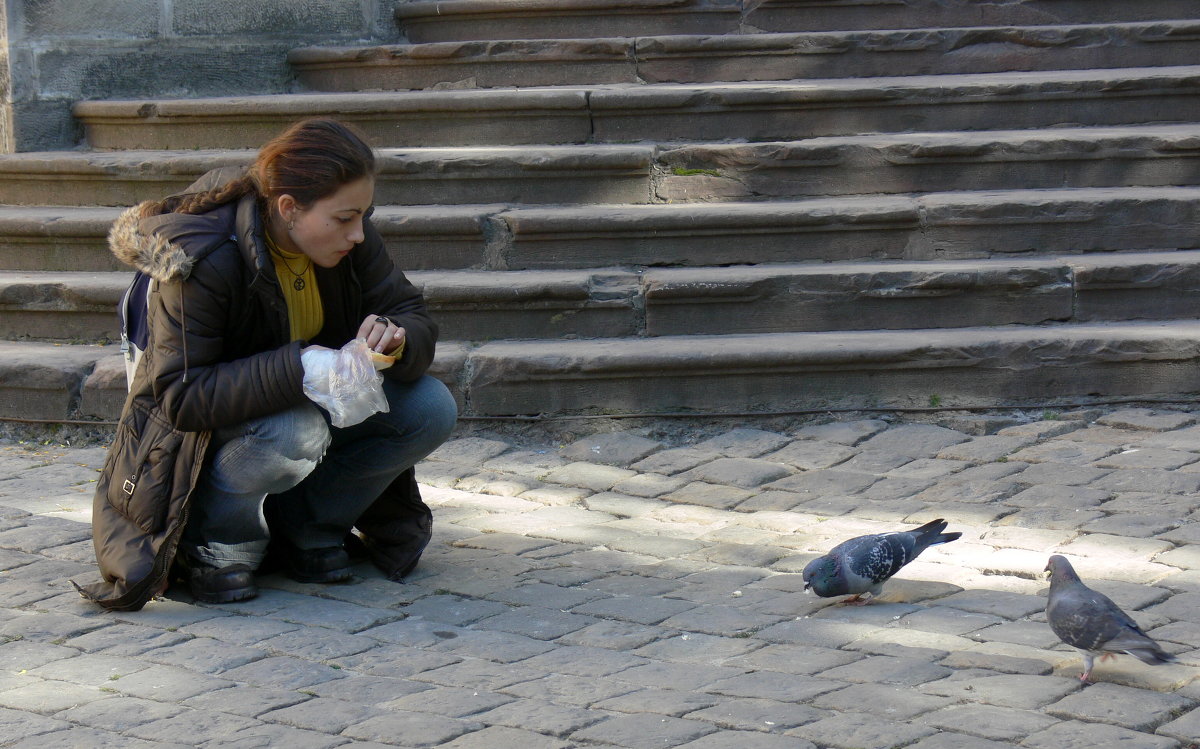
330	564
234	582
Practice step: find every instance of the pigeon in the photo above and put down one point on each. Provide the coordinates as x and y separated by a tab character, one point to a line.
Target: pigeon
863	564
1091	623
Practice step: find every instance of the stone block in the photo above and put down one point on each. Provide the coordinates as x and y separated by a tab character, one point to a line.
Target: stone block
1148	458
674	460
1065	497
85	69
1142	526
1106	546
747	740
423	728
743	443
614	448
738	715
850	731
989	721
914	440
843	432
105	389
541	716
1009	690
746	473
638	729
1176	439
985	449
714	496
1147	419
1185	728
1149	480
897	702
1052	518
811	454
1135	709
225	17
890	670
58	18
1078	735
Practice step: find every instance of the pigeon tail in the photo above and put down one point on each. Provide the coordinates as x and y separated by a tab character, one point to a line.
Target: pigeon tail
1147	652
931	534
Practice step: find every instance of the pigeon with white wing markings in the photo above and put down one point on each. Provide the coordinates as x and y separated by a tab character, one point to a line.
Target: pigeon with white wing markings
863	564
1091	623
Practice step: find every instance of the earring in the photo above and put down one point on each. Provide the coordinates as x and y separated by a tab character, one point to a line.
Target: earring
291	224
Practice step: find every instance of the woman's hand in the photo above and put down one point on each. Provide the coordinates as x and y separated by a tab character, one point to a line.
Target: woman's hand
381	334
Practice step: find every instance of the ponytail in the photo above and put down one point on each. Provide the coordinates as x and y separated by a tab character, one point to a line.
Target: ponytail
201	202
310	160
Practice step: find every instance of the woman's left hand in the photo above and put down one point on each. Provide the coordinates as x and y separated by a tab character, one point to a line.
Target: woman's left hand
381	334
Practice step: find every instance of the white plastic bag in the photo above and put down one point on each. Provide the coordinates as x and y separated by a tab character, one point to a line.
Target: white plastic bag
344	382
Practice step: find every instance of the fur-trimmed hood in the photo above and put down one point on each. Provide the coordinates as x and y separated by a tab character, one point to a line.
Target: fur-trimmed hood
165	246
153	254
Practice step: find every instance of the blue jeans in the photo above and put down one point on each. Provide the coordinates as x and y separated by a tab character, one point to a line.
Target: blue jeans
325	477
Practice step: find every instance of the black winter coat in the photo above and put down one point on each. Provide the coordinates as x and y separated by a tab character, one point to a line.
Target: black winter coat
219	354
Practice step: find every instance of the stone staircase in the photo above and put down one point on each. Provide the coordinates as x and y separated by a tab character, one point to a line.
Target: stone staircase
723	206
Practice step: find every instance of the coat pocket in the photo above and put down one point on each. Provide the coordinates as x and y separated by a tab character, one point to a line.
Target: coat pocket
143	455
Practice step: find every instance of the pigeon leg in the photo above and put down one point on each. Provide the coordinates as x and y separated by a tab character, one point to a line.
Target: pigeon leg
1085	677
858	599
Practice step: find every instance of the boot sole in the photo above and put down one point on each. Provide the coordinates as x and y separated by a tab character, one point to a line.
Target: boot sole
332	576
226	596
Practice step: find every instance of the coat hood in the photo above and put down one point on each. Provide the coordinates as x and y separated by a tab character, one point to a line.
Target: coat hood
164	246
152	253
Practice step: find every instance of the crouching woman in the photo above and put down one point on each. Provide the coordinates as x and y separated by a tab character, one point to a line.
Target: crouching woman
219	454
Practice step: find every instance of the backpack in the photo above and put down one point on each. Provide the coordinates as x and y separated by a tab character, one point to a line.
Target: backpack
133	312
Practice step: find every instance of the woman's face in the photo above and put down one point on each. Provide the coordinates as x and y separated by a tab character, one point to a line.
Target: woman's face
328	229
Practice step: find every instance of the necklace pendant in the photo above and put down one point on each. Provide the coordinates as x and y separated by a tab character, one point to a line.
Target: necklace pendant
298	284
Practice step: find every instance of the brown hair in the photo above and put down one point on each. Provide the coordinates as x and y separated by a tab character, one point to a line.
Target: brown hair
310	160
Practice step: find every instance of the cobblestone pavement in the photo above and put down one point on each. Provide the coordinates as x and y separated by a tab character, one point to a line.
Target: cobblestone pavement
640	588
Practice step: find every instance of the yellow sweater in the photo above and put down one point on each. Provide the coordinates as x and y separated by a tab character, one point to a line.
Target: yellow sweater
299	284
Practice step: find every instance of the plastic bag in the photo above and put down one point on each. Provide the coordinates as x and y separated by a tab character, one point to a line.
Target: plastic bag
344	382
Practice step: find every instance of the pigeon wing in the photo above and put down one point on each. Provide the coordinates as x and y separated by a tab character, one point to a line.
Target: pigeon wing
877	557
1086	619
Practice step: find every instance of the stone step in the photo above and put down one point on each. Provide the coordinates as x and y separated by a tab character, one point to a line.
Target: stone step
783	298
680	58
466	20
1152	155
666	112
934	226
428	176
548	19
1146	155
57	381
56	238
963	367
74	238
61	305
937	226
901	295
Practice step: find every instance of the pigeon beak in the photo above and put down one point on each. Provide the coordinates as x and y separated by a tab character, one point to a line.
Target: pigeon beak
808	589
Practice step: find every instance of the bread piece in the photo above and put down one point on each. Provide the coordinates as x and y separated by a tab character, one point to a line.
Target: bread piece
381	361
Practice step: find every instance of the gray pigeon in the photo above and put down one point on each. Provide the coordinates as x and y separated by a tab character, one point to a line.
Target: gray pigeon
1092	623
863	564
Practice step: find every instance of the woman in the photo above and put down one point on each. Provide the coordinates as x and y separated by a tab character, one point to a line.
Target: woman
218	449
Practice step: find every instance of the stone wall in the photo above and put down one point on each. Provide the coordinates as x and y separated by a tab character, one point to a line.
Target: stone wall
61	51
